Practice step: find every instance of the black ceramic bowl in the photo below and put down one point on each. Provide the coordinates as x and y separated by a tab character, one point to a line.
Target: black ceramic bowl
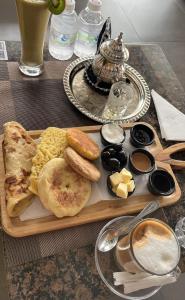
115	129
141	135
160	182
136	170
109	186
113	158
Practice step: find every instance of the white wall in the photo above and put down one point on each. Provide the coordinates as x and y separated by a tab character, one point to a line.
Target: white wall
8	19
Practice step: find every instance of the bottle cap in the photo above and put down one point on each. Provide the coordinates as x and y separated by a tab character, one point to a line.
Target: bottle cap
70	5
95	5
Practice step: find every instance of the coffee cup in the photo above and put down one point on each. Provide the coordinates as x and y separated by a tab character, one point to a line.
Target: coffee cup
151	246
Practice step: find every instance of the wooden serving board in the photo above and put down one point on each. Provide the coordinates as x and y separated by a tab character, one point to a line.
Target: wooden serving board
96	212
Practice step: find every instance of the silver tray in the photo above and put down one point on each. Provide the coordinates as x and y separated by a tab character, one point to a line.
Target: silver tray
91	104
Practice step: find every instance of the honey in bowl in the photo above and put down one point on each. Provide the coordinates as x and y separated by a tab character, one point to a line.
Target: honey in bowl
141	161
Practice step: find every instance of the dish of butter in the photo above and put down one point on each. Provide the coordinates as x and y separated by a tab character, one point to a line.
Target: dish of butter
122	183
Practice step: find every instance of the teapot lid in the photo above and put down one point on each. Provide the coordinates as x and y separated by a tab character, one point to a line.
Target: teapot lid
115	50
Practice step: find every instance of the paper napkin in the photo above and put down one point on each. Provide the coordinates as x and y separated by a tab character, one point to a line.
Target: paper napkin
171	120
140	281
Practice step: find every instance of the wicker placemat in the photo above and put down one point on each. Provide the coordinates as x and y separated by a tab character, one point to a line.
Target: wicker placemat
20	250
41	102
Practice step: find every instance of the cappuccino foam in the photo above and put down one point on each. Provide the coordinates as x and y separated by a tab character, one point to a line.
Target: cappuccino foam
155	247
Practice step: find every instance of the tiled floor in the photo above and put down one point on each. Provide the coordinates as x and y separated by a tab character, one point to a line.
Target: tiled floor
146	21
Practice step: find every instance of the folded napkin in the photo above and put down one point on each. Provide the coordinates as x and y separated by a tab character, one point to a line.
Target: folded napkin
140	281
171	120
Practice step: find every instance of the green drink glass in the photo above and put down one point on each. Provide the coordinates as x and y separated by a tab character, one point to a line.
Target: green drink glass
33	18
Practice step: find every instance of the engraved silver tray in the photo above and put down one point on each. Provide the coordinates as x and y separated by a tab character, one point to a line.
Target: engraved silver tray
92	104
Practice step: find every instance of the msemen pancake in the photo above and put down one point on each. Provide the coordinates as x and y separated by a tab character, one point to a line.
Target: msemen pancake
19	150
61	189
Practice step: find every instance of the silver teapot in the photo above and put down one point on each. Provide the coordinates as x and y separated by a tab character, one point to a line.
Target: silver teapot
109	65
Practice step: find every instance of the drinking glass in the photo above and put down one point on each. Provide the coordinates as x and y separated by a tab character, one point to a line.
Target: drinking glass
126	250
120	96
33	18
106	264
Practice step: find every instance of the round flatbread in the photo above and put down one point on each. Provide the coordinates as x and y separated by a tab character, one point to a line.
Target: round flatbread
81	165
82	144
62	190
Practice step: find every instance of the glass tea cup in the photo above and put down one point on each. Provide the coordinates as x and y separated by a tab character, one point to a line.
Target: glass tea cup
120	96
151	246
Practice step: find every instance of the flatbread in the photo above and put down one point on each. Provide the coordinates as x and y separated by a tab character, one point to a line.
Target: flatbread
62	190
19	150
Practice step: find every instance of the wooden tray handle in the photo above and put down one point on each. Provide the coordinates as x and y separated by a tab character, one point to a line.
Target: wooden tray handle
165	156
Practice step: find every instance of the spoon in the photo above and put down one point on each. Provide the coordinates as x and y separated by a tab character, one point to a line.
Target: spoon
109	238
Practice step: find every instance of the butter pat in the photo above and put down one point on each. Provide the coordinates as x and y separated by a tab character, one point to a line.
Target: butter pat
130	186
115	179
122	190
114	189
126	175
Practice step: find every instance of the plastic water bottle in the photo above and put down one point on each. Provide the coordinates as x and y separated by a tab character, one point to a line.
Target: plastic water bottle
63	30
90	22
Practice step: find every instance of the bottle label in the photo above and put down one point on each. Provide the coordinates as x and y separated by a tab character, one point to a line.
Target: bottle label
87	38
64	39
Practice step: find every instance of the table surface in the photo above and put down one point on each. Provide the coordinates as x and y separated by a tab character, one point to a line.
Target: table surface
38	103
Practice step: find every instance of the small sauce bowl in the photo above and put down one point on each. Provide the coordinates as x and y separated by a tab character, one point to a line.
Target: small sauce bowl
141	135
141	161
160	182
113	158
112	133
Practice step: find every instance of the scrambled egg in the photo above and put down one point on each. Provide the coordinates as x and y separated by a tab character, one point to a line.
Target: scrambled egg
52	145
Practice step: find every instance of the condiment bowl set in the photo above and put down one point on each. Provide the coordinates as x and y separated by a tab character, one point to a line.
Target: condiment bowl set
140	160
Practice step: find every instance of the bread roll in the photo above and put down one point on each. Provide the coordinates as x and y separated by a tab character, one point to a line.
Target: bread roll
82	144
81	165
